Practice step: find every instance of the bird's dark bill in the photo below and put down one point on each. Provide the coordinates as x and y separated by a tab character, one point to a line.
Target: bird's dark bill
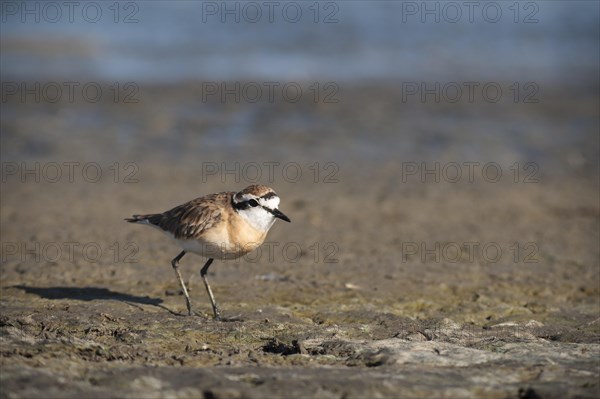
278	214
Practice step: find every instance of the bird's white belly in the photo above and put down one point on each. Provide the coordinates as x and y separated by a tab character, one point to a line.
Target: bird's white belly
215	250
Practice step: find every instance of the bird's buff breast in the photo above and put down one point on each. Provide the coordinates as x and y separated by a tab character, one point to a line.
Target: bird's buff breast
226	241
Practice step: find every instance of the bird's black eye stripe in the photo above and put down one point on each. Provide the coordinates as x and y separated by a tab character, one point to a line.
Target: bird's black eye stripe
245	204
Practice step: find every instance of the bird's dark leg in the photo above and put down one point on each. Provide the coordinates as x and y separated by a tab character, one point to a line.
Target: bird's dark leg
174	263
210	294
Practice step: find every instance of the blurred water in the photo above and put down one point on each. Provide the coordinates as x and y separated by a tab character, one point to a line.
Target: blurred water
181	40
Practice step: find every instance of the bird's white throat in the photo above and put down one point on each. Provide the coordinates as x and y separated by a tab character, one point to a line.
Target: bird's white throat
258	217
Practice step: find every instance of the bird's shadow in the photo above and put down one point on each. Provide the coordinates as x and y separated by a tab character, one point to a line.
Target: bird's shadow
91	294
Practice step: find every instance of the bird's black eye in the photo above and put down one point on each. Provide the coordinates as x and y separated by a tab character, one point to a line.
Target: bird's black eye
253	203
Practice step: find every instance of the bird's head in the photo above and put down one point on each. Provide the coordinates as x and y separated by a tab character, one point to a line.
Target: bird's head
259	205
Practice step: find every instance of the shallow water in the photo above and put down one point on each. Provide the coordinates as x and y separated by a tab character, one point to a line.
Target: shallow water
355	40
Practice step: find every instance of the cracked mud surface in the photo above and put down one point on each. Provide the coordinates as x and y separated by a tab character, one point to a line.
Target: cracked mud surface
354	316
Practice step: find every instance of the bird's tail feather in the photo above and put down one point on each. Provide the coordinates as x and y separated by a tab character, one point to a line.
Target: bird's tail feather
139	219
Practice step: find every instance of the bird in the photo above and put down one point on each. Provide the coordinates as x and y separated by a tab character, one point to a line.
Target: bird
224	226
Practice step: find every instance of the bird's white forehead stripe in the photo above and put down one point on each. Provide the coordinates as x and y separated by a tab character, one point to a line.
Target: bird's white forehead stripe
271	203
246	197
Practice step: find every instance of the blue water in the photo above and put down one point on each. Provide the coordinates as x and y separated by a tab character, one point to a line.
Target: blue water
350	40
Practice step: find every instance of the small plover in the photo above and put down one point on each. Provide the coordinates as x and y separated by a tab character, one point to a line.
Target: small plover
223	226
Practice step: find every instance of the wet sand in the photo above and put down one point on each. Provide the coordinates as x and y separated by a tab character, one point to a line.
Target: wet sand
385	284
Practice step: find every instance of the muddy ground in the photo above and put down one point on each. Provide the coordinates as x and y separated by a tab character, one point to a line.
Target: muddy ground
385	284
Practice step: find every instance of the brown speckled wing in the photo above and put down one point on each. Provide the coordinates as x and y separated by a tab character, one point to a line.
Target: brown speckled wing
189	220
